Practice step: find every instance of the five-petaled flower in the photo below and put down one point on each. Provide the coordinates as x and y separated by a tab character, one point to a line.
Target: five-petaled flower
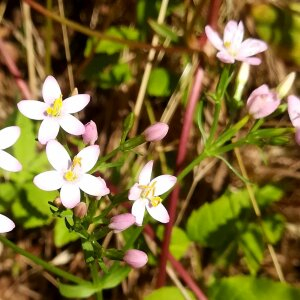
70	175
8	136
232	47
55	111
146	192
6	224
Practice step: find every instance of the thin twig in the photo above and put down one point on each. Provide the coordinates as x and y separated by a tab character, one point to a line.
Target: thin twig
259	216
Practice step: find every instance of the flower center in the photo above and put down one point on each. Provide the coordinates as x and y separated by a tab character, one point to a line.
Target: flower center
55	108
148	192
72	173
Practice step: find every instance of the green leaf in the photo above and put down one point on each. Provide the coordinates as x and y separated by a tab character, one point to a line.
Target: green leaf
268	194
163	30
252	244
159	83
7	194
179	241
62	235
31	206
168	292
77	291
251	288
274	227
127	125
110	47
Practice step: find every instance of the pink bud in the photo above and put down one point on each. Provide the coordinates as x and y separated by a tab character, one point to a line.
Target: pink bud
262	102
90	135
80	210
156	132
135	258
121	222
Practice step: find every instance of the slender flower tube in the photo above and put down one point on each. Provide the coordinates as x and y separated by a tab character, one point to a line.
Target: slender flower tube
146	192
232	47
6	224
294	110
156	132
121	222
70	176
90	135
54	111
8	136
135	258
262	102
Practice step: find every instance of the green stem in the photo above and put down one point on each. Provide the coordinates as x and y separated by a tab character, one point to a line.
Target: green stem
47	266
95	276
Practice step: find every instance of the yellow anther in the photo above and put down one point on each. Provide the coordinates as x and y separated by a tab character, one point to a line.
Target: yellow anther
76	161
70	175
227	44
155	201
55	109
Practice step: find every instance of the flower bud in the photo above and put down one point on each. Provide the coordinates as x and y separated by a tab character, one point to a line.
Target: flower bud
262	102
135	258
57	202
156	132
6	224
285	86
90	135
104	189
241	80
121	222
80	210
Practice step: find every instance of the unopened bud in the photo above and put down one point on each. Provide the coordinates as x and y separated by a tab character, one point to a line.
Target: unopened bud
241	80
57	202
90	135
135	258
285	86
262	102
156	132
80	210
121	222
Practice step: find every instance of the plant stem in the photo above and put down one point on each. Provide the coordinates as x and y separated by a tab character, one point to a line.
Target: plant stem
47	266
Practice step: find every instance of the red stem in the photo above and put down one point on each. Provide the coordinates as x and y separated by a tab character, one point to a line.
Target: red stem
13	69
186	277
187	123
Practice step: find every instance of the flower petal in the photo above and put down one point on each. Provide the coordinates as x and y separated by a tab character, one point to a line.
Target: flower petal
32	109
145	174
70	195
9	163
134	192
49	180
8	136
294	110
251	47
6	224
158	213
58	156
225	57
255	61
233	34
214	37
51	90
89	156
138	210
75	103
48	130
163	183
71	125
91	185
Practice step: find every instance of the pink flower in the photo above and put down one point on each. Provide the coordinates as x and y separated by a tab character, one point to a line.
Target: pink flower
6	224
232	47
262	102
294	110
90	135
121	222
297	136
156	132
8	136
70	175
145	195
55	111
135	258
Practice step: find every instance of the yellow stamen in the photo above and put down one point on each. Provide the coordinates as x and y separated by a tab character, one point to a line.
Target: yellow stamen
55	108
227	44
76	161
70	175
155	201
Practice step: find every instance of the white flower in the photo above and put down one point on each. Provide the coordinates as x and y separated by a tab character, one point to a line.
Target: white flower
6	224
8	136
70	175
55	111
145	195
